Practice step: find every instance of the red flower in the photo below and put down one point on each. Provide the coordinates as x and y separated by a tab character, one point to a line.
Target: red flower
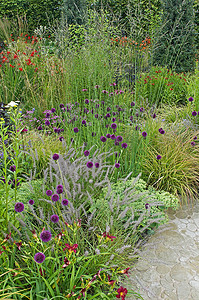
126	271
71	248
111	282
8	236
66	263
121	293
20	69
18	245
109	237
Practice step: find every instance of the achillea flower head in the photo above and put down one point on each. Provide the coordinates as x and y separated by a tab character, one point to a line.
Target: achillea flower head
54	218
39	257
64	202
124	145
76	129
55	156
117	165
45	236
31	201
49	193
119	138
158	157
13	168
113	125
55	197
86	153
103	139
97	165
89	164
19	207
144	133
194	113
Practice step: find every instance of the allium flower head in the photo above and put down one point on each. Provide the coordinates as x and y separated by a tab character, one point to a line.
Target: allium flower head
141	109
86	101
190	99
124	145
39	257
55	197
19	207
45	236
147	205
61	138
117	165
193	143
61	105
54	219
119	138
195	137
103	139
132	103
55	156
39	127
64	202
49	193
154	116
76	129
89	164
83	122
144	133
47	123
113	125
59	191
97	165
116	143
86	153
31	201
53	110
113	137
13	168
194	113
158	157
108	135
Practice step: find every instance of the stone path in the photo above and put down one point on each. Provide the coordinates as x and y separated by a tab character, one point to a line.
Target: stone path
168	267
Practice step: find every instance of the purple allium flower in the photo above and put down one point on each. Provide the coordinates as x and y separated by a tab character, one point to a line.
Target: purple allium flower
108	109
108	115
75	129
162	131
113	113
47	123
13	168
83	122
64	202
86	101
108	135
193	143
144	133
47	115
53	110
55	197
61	105
39	127
45	236
60	186
132	103
147	205
61	138
84	90
31	201
117	165
124	145
103	139
113	125
39	257
54	218
158	157
97	165
113	119
86	153
89	164
154	116
113	137
194	113
119	138
19	207
55	156
49	193
59	191
190	99
141	109
195	137
117	143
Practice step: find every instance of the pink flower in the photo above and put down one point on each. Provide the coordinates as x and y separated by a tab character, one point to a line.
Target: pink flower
71	248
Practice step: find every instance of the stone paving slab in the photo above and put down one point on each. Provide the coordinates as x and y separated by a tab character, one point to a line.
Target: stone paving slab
168	267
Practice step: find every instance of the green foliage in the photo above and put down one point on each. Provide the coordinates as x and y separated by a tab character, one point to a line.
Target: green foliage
161	85
176	46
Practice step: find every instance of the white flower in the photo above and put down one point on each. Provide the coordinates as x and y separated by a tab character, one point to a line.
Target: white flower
12	104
